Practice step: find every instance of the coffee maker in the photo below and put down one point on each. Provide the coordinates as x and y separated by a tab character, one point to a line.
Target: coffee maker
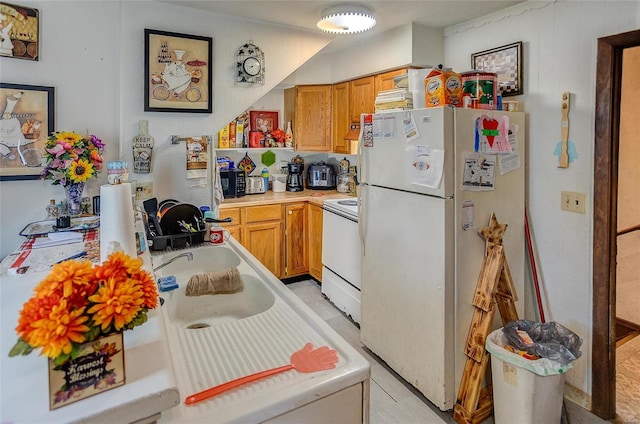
294	178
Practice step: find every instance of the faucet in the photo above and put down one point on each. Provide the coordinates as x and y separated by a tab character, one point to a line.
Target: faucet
189	256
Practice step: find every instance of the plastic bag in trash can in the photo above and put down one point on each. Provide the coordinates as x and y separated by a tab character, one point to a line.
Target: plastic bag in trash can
547	340
543	366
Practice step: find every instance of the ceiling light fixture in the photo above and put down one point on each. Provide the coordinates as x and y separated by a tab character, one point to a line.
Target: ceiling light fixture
346	19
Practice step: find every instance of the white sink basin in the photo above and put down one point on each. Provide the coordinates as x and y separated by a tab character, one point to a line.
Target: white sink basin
195	312
207	259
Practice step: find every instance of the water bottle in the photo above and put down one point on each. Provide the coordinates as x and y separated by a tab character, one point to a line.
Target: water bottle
265	175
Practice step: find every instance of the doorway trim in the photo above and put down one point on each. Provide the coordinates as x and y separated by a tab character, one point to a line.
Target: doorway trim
605	200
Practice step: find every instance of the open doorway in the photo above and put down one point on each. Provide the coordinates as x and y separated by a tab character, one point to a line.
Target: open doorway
606	185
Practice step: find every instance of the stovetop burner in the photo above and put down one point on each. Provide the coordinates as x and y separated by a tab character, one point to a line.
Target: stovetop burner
348	202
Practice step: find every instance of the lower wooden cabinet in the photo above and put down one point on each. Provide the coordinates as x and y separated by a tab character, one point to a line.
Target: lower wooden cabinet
264	241
262	235
234	227
286	238
296	257
314	239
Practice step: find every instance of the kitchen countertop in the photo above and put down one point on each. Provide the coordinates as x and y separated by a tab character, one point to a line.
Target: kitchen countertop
239	347
150	383
268	198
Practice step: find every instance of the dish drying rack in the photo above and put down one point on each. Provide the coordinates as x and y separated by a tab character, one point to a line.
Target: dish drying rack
173	241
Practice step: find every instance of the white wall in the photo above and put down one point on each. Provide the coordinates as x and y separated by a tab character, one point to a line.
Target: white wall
560	49
92	53
80	59
410	44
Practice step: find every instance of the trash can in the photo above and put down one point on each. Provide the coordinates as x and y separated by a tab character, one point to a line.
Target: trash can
524	390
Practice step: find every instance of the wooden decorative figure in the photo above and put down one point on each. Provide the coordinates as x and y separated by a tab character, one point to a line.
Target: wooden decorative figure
495	286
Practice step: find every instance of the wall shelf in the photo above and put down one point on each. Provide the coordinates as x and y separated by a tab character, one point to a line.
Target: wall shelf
254	149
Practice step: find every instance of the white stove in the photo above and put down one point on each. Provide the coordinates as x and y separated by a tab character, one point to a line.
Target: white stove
341	255
347	206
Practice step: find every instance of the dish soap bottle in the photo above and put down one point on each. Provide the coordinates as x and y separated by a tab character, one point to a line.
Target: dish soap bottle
265	176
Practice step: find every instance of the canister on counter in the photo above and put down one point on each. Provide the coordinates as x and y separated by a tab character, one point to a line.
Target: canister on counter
480	89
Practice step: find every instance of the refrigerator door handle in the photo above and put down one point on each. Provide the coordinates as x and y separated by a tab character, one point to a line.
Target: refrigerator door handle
361	223
359	151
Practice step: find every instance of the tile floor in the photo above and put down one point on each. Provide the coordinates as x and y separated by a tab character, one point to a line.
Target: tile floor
628	382
628	355
393	400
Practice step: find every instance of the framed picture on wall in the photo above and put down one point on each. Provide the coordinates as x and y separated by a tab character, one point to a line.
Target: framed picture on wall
263	120
27	120
19	32
177	72
506	61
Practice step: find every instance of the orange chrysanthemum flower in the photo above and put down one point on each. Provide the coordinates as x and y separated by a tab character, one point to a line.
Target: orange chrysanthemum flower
64	277
56	332
148	287
118	266
78	302
116	303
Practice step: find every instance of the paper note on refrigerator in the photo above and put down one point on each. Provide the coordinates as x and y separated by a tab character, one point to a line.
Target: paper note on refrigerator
384	126
491	134
424	165
510	161
479	172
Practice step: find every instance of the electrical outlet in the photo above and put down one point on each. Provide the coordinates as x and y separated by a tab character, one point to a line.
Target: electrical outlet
572	202
144	191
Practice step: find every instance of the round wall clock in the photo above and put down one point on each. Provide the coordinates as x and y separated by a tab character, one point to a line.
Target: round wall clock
250	64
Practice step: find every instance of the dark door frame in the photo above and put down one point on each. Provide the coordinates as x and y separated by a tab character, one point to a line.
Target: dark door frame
605	200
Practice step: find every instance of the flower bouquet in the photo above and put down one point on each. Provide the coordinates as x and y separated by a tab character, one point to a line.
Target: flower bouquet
76	318
72	159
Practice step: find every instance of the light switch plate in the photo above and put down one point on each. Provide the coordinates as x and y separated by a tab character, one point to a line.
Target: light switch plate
572	201
144	191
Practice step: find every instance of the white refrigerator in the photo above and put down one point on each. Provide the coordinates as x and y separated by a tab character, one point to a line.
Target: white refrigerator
430	179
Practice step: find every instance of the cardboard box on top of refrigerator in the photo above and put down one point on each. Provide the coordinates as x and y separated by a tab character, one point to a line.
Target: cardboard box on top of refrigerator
443	87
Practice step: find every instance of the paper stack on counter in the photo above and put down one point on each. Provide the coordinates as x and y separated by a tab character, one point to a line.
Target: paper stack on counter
56	239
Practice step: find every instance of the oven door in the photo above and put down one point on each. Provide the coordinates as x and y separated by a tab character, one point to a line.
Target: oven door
341	246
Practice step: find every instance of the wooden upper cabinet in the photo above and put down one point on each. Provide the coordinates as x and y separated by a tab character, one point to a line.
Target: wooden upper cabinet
341	119
308	107
362	97
384	81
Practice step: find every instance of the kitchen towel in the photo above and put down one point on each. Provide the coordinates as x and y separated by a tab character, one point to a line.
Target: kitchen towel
217	194
117	230
197	161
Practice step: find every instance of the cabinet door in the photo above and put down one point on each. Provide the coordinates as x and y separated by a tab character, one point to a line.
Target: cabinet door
314	237
341	119
297	254
308	107
233	226
264	241
384	81
363	97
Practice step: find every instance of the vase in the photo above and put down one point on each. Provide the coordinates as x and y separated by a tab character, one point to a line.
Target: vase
98	367
74	198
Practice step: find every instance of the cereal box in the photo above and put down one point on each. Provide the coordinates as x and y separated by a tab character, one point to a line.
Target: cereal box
443	87
223	137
